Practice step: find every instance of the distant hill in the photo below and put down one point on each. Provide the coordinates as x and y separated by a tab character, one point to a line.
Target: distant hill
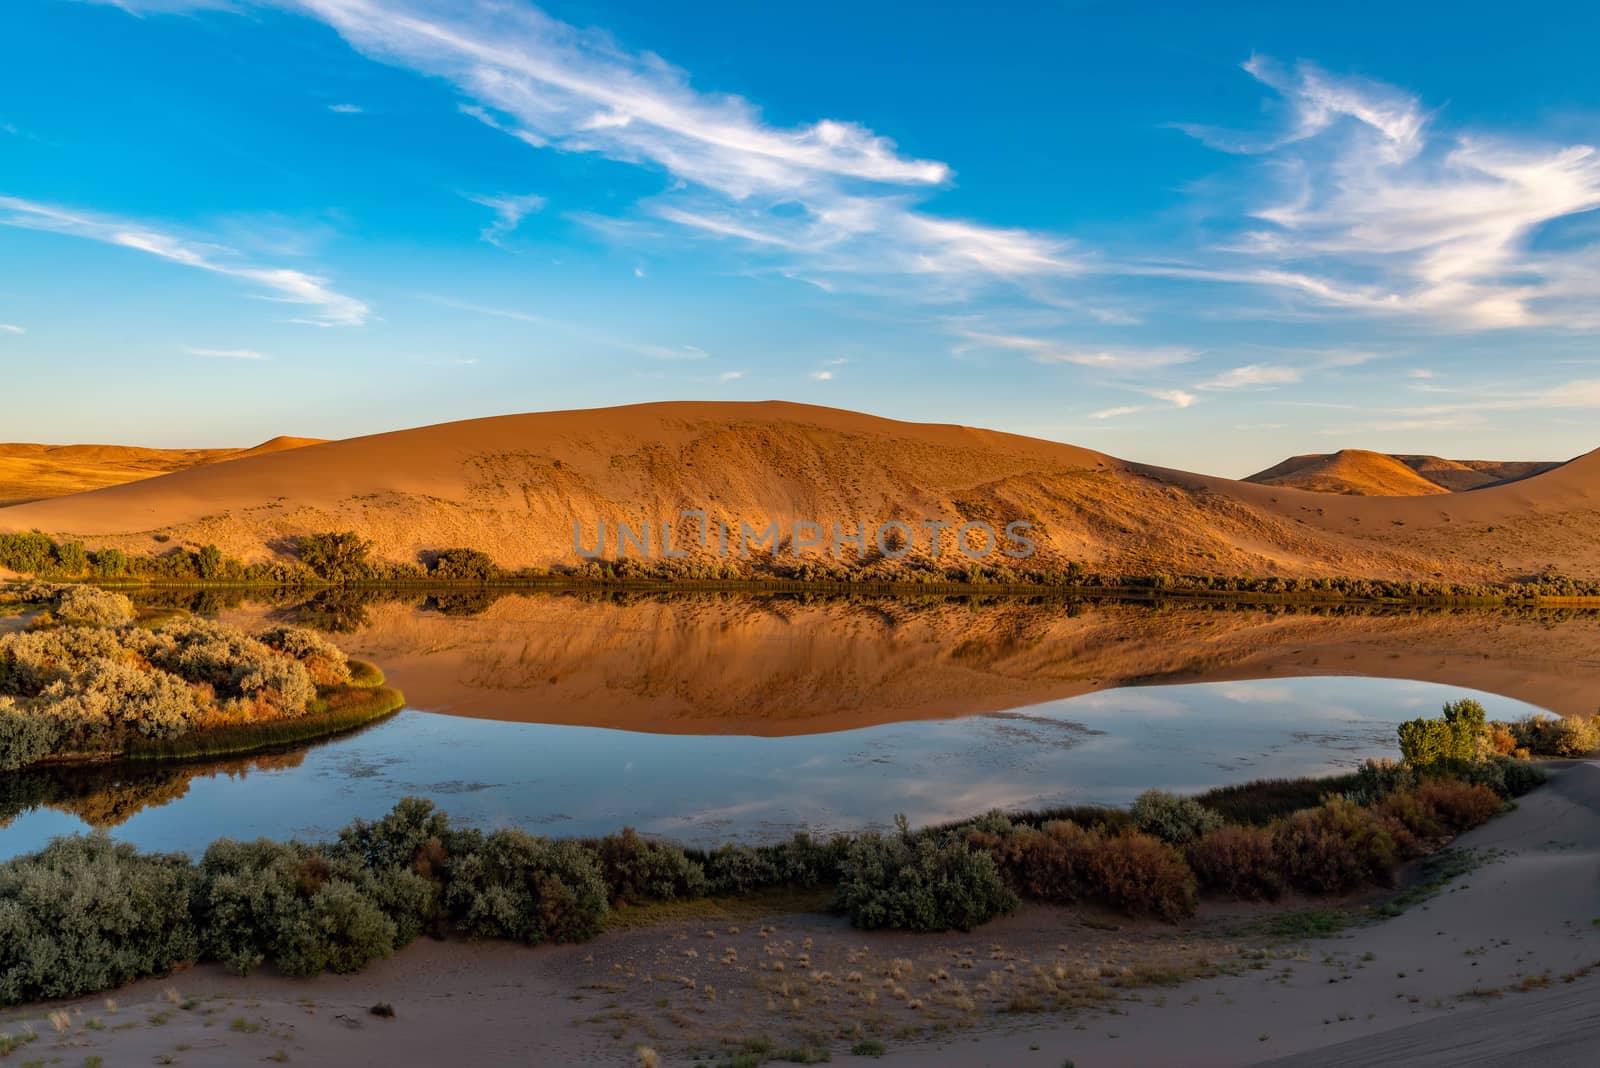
1380	474
30	472
513	486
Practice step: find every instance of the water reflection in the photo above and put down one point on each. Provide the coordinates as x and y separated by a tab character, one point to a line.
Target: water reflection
1099	748
713	716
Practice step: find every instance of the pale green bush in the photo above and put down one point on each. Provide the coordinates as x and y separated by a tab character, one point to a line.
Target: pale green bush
918	884
1175	820
325	661
24	736
87	914
92	606
1377	779
109	695
33	659
300	909
514	885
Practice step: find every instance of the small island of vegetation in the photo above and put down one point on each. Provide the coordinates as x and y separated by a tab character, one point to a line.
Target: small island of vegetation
87	681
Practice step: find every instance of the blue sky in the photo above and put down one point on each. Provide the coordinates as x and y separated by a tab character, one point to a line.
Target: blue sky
1207	239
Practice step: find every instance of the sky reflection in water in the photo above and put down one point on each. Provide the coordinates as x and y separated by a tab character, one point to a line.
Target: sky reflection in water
1099	748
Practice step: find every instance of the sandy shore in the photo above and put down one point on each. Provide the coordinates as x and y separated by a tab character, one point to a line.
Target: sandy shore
1490	968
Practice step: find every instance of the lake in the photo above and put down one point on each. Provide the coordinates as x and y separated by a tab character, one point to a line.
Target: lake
707	718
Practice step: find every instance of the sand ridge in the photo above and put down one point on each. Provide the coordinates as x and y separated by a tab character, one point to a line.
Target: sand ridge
514	485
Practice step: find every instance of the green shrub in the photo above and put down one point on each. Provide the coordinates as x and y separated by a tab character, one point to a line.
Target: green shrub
337	557
287	903
1175	820
87	914
637	869
1520	776
108	563
94	705
339	929
1334	848
465	565
1377	779
24	735
920	885
1460	736
1237	862
1264	801
93	606
513	885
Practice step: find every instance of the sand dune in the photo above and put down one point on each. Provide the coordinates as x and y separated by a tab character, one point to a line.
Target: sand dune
514	485
1379	474
30	472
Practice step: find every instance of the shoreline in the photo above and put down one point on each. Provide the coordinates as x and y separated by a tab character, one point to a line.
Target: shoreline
1511	936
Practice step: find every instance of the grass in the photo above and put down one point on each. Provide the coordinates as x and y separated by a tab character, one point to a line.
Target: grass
335	710
1264	800
1301	925
869	1047
751	906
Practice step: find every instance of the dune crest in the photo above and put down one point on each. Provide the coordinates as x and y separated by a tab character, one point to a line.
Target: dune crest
514	485
32	472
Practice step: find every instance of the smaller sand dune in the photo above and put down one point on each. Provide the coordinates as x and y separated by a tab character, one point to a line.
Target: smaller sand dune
34	472
1358	472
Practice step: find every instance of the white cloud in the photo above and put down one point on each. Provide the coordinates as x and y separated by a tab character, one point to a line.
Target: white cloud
1178	398
1103	357
11	328
281	284
730	376
346	109
509	211
1114	413
228	354
822	376
1252	376
1374	209
832	194
1421	372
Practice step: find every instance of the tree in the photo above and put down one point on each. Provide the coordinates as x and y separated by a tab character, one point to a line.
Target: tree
71	559
465	565
337	557
209	563
109	563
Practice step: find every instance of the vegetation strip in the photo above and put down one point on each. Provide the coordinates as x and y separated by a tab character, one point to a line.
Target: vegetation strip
334	906
344	557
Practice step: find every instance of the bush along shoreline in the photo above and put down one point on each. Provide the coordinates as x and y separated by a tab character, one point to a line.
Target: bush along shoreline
87	682
87	914
344	558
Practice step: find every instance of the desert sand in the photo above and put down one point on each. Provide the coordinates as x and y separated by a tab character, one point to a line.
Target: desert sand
514	485
31	472
1378	474
1493	968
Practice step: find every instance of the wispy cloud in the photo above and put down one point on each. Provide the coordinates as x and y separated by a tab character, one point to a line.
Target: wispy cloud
1369	206
327	307
509	211
1252	376
1103	357
1115	413
832	197
577	330
730	376
11	328
346	109
228	354
822	376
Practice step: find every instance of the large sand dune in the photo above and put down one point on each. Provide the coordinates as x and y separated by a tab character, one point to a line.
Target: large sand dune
514	485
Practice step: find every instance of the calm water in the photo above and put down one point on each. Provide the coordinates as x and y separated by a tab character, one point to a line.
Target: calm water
1103	747
713	717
